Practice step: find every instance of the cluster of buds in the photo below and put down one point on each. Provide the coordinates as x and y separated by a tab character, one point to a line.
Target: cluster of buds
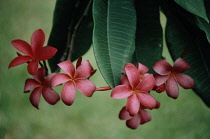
135	84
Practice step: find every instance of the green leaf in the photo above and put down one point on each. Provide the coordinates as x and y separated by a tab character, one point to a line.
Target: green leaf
181	35
202	24
113	36
70	25
149	36
195	7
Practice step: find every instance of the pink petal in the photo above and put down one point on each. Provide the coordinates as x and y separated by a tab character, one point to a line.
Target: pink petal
45	53
19	60
133	105
144	116
133	75
161	79
127	64
68	93
141	68
134	122
33	67
50	95
180	65
30	84
37	40
48	79
40	75
146	84
59	78
23	47
162	67
172	89
79	61
124	114
185	81
147	100
121	91
84	70
35	97
67	67
86	87
124	80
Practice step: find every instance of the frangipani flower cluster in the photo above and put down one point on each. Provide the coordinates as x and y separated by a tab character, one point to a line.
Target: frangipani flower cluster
135	84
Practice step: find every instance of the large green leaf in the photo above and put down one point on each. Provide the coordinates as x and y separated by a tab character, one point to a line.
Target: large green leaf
181	35
70	25
202	24
195	7
113	36
149	37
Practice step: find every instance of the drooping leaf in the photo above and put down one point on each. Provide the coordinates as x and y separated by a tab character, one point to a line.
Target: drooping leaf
182	35
202	24
149	37
68	28
195	7
113	36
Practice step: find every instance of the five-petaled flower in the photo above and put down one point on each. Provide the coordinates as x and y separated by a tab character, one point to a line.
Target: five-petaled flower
41	85
75	79
135	87
33	53
173	76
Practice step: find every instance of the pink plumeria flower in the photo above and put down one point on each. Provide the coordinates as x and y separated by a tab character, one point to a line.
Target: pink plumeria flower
135	88
41	85
33	53
140	118
173	76
74	79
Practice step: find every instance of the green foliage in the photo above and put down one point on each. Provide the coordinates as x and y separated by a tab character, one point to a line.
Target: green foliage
72	22
148	33
130	31
113	37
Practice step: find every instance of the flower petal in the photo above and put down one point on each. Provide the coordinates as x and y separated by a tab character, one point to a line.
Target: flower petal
134	122
133	75
33	67
79	61
59	78
19	60
124	114
37	40
67	67
45	53
48	79
161	79
86	87
162	67
23	47
50	95
35	97
68	93
133	105
180	65
144	117
40	75
172	89
84	70
121	91
147	83
147	100
30	84
141	68
124	80
185	81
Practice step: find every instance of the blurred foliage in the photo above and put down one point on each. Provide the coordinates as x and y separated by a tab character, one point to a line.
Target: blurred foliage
88	118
